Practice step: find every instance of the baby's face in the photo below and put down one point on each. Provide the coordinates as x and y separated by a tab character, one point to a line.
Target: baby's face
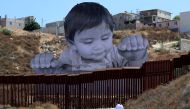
94	43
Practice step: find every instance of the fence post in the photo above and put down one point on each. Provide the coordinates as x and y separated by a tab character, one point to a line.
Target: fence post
171	75
143	77
79	101
67	100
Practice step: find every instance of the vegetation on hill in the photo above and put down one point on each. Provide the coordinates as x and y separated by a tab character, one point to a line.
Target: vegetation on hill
17	49
31	25
175	95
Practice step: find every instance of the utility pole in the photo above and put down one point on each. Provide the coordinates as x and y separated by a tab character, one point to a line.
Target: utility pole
15	24
57	28
42	24
137	11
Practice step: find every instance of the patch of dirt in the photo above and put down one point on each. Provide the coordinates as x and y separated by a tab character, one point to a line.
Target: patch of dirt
175	95
17	50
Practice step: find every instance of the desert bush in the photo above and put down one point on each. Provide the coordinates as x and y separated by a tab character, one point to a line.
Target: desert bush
5	31
32	25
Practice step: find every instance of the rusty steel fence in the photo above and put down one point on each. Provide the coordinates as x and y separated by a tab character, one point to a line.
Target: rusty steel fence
98	89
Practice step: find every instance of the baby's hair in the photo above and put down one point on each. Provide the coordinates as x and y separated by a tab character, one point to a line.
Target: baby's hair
85	16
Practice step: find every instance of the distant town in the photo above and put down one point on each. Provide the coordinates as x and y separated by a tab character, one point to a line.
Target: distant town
126	20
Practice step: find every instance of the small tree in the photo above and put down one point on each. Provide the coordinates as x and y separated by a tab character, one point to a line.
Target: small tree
31	25
176	18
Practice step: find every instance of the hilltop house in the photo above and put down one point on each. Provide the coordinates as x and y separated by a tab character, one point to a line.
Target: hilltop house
13	23
27	19
170	24
55	28
151	17
126	21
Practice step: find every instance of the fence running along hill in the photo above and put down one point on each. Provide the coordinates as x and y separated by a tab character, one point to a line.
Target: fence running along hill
87	90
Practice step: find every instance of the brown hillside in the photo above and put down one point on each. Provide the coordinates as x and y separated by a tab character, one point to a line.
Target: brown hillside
175	95
17	50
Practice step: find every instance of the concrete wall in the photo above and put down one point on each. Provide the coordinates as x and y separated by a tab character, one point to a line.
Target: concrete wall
121	20
164	14
185	45
55	27
185	21
154	15
171	24
27	19
12	23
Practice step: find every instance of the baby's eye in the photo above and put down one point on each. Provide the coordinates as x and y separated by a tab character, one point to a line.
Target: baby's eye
89	41
105	37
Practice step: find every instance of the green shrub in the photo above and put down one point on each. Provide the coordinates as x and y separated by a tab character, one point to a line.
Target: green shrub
6	31
31	25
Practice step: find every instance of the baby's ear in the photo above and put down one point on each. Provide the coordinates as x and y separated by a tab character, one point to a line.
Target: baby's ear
70	43
73	46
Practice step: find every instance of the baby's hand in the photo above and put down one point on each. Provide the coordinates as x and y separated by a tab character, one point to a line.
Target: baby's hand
44	60
133	47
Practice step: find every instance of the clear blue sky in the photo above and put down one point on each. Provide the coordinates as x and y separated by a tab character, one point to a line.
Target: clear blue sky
54	10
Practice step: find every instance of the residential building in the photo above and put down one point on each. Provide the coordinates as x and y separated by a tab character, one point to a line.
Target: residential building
185	21
170	24
151	17
27	19
126	20
11	23
55	28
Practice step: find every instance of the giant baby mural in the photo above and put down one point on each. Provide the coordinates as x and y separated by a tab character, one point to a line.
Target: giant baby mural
89	31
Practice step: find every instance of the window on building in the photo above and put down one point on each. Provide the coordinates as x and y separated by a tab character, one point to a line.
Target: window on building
10	23
168	24
160	25
148	13
19	24
120	18
175	23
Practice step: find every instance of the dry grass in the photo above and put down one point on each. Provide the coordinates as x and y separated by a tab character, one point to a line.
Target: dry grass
151	33
17	50
35	105
175	95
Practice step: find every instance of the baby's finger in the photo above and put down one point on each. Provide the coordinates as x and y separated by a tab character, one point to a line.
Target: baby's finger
122	46
37	61
42	60
54	63
125	44
140	43
32	63
133	42
146	43
48	59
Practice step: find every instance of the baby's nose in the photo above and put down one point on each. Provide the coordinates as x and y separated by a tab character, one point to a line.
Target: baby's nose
98	46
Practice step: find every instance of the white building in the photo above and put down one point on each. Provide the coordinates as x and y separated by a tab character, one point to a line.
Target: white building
125	20
11	23
170	24
152	16
55	28
185	21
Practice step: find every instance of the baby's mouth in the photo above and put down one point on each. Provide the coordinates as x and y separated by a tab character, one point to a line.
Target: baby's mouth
99	53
